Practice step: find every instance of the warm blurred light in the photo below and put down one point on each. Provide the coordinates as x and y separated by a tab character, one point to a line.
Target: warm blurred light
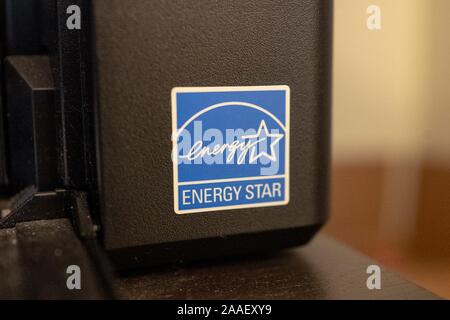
391	195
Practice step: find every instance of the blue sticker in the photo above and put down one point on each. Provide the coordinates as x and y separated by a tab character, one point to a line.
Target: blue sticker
230	147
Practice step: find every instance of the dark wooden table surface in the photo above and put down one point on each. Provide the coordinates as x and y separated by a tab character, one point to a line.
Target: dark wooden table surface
34	257
325	269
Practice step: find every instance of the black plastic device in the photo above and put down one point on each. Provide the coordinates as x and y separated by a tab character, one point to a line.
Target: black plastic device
89	108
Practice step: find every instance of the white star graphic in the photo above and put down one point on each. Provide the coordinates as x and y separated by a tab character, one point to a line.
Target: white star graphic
276	137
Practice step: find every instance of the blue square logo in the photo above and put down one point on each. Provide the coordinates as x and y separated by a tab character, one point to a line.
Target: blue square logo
230	147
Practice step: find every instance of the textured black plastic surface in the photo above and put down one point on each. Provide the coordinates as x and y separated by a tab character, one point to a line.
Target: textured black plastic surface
70	59
25	24
30	116
146	48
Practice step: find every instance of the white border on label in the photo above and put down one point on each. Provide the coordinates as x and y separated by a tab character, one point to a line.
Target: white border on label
286	175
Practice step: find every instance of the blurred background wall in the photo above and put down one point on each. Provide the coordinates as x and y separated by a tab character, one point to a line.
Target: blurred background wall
391	131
